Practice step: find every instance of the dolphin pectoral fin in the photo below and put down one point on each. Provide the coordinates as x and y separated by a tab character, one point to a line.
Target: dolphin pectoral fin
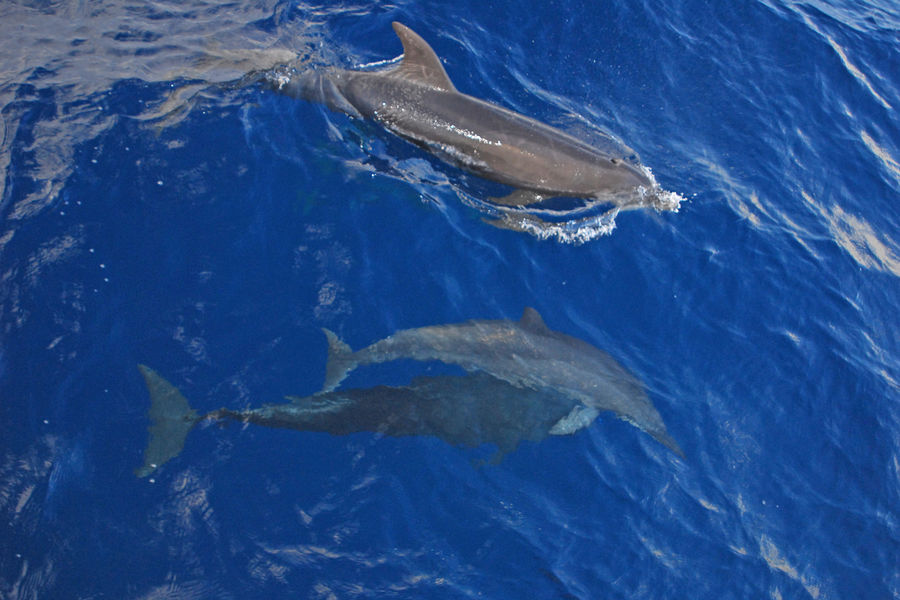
503	450
340	361
495	459
420	63
518	198
580	417
171	419
666	440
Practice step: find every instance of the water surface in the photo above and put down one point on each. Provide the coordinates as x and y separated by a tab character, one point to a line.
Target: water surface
157	208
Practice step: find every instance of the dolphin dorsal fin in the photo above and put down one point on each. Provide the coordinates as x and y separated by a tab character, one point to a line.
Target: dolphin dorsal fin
420	63
532	321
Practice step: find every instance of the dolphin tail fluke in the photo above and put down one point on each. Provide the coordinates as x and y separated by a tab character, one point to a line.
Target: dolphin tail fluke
340	361
171	419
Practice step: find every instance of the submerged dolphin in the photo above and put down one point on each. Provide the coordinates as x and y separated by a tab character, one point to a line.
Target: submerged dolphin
417	101
524	353
468	411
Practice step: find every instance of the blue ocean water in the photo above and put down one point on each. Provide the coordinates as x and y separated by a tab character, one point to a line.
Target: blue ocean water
159	208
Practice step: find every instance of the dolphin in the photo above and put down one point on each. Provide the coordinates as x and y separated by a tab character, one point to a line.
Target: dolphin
526	354
467	411
417	101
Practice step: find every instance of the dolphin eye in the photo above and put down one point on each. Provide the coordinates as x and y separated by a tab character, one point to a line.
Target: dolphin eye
615	161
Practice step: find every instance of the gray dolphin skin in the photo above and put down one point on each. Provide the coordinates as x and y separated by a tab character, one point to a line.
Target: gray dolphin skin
417	101
525	354
467	411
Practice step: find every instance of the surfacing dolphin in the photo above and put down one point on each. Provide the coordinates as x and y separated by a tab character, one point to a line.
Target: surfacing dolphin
468	411
524	353
417	101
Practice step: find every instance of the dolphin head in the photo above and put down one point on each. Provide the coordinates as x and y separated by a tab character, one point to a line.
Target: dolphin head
609	177
635	187
623	175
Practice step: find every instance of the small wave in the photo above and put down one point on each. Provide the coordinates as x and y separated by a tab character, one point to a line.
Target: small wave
58	92
890	163
578	231
595	219
857	237
849	65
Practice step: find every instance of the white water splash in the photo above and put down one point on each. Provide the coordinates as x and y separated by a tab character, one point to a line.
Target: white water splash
570	227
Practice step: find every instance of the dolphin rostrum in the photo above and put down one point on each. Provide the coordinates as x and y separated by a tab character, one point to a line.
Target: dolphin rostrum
524	353
417	101
469	411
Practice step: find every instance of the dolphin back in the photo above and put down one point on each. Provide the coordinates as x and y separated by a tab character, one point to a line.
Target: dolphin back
329	86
